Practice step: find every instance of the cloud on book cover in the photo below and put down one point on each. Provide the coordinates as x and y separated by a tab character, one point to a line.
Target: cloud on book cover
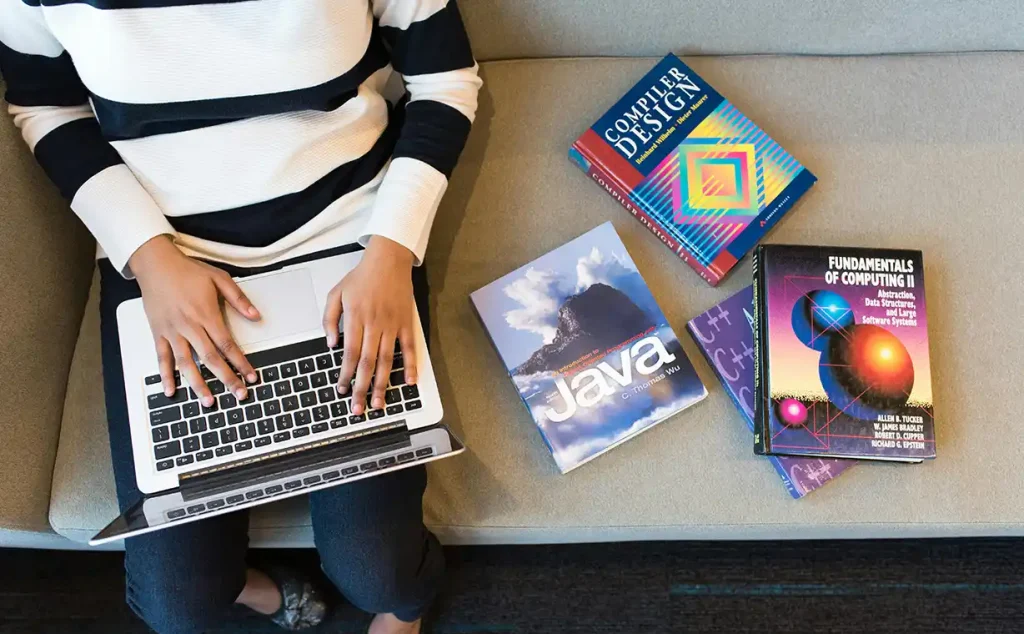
540	293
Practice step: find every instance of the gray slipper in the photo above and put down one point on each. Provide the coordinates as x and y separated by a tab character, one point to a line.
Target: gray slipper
302	603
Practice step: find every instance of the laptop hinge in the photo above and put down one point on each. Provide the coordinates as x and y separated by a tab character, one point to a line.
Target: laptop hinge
268	466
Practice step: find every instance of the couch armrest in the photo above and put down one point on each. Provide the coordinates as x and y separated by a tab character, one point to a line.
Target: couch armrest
45	268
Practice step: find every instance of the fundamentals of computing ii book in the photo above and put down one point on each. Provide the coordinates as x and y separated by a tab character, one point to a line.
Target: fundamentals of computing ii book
587	347
725	336
842	345
691	167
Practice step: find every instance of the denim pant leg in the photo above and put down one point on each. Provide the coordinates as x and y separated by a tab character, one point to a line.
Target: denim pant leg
182	579
373	544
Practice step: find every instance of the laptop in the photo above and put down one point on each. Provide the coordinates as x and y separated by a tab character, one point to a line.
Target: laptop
293	434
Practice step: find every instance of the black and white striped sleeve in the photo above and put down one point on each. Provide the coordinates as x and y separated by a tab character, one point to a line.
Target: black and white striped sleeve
431	51
51	108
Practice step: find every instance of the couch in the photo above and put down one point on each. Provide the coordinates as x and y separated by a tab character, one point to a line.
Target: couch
907	110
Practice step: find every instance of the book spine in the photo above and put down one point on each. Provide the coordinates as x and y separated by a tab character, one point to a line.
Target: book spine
606	179
761	441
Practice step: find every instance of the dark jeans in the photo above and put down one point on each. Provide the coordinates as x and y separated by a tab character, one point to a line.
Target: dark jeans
369	534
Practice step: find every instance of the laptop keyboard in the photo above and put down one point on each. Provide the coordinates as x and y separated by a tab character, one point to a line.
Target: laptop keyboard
295	397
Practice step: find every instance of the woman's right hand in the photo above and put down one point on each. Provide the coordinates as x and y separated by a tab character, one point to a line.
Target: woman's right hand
182	300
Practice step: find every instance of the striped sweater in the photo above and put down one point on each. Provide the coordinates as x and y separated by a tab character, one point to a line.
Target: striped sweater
248	130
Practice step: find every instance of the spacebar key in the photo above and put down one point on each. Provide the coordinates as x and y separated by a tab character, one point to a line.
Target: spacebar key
290	352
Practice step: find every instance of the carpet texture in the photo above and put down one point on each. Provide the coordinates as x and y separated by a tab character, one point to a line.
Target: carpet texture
893	587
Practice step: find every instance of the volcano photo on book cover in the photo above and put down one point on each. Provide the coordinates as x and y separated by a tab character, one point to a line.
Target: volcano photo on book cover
588	348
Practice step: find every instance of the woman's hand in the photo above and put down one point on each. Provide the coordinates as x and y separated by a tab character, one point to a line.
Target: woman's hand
375	299
182	301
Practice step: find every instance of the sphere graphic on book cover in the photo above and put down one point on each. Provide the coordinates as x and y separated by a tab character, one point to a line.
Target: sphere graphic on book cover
791	412
818	315
868	372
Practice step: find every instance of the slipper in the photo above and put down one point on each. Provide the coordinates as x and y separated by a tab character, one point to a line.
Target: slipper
302	603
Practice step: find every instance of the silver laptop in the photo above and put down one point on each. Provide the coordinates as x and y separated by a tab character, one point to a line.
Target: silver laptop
291	435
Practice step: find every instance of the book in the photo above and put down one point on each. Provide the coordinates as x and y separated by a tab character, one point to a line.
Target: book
841	340
691	168
725	337
587	347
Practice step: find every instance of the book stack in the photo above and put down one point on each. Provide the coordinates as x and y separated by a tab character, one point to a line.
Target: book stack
825	355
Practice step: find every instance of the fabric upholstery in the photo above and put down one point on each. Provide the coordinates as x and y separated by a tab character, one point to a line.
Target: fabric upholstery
906	158
573	28
45	264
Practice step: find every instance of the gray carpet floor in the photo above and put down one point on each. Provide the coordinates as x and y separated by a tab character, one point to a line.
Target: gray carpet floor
829	587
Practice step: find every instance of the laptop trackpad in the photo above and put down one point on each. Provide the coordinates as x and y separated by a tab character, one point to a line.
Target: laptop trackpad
287	304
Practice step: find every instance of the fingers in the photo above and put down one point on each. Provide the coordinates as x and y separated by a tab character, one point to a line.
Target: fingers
234	296
365	368
210	356
408	341
385	359
225	343
332	316
353	349
187	366
165	357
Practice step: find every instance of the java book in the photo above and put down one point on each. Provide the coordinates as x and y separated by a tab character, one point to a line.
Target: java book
691	168
587	347
725	337
842	346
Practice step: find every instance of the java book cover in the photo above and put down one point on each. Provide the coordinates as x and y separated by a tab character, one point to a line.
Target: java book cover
843	348
725	337
691	168
587	347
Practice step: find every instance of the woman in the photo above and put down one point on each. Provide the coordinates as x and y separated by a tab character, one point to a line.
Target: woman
204	139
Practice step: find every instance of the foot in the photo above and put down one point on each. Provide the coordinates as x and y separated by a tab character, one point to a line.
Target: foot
286	596
390	624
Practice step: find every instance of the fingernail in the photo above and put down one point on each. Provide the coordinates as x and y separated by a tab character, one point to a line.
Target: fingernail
378	403
208	401
253	312
240	393
168	391
358	409
251	377
411	379
342	389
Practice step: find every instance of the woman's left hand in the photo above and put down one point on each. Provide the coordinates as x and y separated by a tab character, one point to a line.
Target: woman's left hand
375	300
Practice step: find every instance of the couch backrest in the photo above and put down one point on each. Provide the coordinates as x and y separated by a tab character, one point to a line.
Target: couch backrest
503	29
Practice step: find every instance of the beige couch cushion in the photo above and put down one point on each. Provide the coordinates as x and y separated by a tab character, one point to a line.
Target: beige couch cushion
45	264
906	158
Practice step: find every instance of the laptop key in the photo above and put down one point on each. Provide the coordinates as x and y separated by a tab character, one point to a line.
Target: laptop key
338	423
228	435
311	480
306	366
410	392
252	495
264	392
318	380
394	409
216	387
215	504
236	416
327	394
332	475
387	462
273	490
195	508
320	428
288	370
334	375
347	471
152	379
179	429
197	425
321	413
190	444
210	439
206	373
272	408
300	383
190	409
224	450
247	430
393	396
293	484
217	420
159	399
290	403
163	465
204	455
300	432
374	414
176	514
324	362
187	459
227	401
262	441
405	457
413	405
235	499
250	396
302	417
426	451
396	378
253	412
308	399
282	436
270	374
164	416
368	466
398	363
212	408
338	357
282	388
161	434
355	419
266	426
284	422
243	446
167	449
